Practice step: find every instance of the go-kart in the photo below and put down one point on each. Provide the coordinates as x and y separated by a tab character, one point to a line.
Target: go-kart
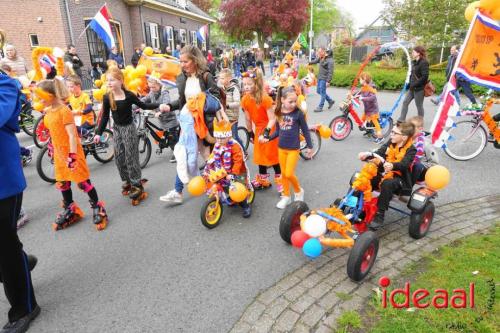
218	192
350	217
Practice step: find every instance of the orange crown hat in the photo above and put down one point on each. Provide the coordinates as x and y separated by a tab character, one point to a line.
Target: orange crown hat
222	129
45	95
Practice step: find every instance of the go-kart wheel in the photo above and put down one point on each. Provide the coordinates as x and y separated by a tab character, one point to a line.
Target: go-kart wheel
290	220
211	213
421	222
362	256
251	194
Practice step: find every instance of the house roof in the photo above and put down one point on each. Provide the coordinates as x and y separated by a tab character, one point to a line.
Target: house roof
372	26
190	10
191	7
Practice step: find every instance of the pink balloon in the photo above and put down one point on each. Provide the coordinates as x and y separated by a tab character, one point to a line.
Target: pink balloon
299	238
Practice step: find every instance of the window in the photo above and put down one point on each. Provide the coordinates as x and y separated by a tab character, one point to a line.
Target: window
168	37
194	39
33	40
155	39
183	37
97	49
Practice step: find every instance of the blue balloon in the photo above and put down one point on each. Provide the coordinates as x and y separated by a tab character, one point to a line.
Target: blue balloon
312	248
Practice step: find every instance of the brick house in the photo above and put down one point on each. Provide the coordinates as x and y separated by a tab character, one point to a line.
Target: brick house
158	23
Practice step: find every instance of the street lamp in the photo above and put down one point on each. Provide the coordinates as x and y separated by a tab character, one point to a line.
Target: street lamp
311	32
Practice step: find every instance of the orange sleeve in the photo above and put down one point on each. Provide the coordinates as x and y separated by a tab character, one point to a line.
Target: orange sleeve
238	163
244	102
67	116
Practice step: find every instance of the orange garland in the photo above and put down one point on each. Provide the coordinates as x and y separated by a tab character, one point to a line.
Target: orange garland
395	155
492	125
363	180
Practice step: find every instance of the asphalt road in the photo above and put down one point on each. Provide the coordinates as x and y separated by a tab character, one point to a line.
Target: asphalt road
157	269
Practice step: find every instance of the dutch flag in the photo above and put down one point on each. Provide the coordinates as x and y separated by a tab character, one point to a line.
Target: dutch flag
102	27
201	34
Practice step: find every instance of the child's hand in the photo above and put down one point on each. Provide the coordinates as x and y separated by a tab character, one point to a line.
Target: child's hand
97	138
72	161
363	155
164	108
157	114
309	153
388	166
262	139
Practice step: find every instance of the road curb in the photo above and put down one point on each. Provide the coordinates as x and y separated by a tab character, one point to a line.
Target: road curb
311	298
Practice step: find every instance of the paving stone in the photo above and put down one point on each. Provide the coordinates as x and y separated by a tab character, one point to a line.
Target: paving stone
354	303
319	290
346	286
312	280
286	321
329	300
393	245
301	328
277	307
304	271
270	295
294	293
326	270
253	312
301	304
366	290
413	246
337	276
312	315
241	327
331	319
263	325
288	282
397	255
323	329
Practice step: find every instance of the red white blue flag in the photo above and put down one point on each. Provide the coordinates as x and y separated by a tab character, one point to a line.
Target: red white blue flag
202	33
102	26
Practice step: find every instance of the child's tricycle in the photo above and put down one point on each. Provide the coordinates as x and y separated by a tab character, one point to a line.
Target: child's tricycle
350	216
220	192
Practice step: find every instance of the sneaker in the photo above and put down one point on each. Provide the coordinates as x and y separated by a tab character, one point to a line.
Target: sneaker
318	109
378	140
172	196
377	222
23	219
285	201
172	159
299	196
330	104
247	212
435	101
27	158
22	324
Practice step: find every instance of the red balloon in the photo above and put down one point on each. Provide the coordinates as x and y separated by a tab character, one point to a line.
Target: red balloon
299	238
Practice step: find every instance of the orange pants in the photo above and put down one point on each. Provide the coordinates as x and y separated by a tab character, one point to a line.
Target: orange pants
374	120
288	162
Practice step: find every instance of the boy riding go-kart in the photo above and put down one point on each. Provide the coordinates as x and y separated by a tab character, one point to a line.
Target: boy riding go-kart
392	171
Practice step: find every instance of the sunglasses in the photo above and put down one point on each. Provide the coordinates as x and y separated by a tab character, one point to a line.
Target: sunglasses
396	133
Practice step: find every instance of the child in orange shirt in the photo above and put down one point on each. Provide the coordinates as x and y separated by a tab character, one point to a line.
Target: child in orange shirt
69	160
259	114
81	106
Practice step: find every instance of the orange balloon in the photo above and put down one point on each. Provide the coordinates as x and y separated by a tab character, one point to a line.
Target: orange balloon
98	83
238	192
489	6
148	51
471	10
197	186
325	132
98	94
437	177
495	14
141	70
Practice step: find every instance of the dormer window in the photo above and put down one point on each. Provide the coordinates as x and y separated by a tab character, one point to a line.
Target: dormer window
181	3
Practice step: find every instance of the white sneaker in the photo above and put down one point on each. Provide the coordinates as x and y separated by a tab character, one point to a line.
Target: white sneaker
299	196
172	196
285	201
23	219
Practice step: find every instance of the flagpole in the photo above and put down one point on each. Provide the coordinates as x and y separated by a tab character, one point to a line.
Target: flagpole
453	71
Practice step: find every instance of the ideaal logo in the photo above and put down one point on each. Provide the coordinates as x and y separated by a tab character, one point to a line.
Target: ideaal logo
440	298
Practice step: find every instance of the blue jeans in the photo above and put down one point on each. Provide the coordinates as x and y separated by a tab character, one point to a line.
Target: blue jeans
271	67
179	186
465	85
321	90
237	70
234	129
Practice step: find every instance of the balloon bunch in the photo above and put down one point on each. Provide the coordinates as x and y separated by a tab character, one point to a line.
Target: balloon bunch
488	7
312	227
134	81
492	125
363	180
437	177
38	73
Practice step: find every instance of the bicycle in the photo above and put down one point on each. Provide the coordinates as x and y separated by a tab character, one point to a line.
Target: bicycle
342	125
26	119
103	152
245	138
469	137
144	127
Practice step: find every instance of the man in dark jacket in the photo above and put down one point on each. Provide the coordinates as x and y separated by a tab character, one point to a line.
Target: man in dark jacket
325	75
461	82
73	60
137	55
114	55
15	265
400	182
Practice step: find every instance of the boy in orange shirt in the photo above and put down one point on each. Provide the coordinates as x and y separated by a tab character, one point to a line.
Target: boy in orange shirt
81	106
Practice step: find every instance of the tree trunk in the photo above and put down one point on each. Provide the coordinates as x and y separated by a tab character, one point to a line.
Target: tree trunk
260	39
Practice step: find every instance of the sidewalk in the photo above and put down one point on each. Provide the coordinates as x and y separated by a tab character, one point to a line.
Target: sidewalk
311	298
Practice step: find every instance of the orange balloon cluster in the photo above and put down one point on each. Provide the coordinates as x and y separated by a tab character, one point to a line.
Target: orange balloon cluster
35	59
363	180
488	7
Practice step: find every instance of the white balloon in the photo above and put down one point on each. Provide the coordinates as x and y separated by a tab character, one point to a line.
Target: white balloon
315	225
58	52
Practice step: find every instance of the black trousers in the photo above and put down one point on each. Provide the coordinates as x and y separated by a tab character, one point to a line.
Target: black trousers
14	262
387	189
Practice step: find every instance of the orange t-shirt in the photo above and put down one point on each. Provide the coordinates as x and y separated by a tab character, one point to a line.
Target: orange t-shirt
79	104
56	120
265	154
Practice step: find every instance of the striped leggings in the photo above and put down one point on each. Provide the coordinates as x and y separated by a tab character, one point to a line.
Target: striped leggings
127	153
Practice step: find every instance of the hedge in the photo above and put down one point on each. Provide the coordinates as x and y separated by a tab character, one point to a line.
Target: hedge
384	78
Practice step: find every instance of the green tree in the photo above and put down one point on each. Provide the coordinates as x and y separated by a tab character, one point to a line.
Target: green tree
325	16
426	20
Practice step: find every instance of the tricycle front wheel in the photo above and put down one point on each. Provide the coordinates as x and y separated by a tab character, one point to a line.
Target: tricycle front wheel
211	213
290	220
362	256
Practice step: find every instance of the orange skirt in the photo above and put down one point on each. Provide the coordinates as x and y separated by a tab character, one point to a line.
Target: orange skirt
265	154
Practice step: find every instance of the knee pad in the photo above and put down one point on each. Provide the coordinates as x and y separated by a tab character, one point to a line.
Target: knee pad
63	186
85	186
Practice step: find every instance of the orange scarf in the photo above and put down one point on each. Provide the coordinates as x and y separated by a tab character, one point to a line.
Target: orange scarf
367	88
195	106
394	155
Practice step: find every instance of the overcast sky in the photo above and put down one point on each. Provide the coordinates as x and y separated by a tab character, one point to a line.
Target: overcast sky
363	12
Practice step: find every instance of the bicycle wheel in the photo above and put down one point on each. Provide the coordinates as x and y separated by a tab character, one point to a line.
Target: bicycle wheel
386	123
104	151
27	120
341	127
45	166
468	140
144	150
244	136
316	141
41	133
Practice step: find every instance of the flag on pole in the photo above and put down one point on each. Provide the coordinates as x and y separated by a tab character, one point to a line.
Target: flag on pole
303	41
102	26
202	33
479	62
